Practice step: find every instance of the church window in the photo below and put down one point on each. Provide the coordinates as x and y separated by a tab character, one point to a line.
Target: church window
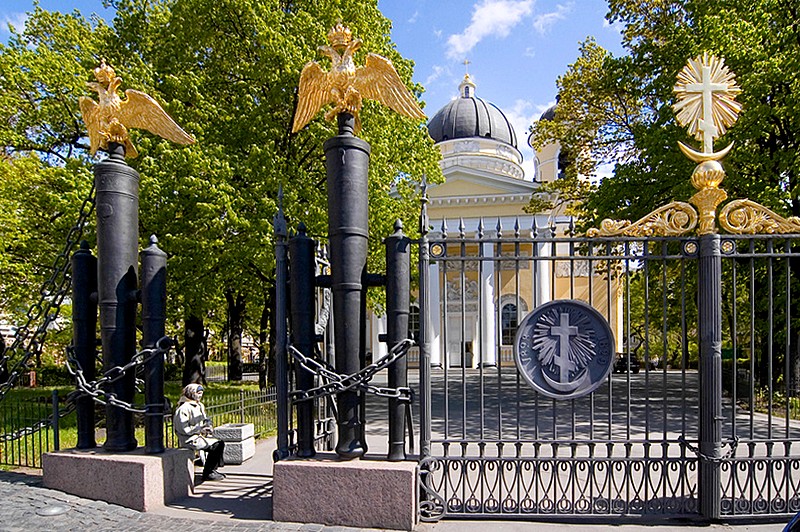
508	323
413	323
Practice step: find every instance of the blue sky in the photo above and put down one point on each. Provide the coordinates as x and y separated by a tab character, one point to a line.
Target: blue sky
516	48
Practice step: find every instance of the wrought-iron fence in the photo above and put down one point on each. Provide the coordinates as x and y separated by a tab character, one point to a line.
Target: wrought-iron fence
494	447
27	429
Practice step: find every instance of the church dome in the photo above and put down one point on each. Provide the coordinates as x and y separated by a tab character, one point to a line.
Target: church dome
468	117
550	113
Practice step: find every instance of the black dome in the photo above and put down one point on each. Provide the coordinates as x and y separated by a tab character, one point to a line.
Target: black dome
469	116
550	113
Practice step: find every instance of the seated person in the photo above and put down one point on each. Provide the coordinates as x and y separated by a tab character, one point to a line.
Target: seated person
194	430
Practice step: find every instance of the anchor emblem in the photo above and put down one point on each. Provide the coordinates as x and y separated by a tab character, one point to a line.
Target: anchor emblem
564	349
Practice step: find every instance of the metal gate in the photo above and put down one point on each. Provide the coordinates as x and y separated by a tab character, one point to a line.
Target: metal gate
698	417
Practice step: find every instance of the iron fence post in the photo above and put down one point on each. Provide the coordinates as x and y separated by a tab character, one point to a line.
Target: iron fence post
84	336
425	323
55	423
303	337
117	265
398	288
241	406
347	165
710	329
281	362
154	316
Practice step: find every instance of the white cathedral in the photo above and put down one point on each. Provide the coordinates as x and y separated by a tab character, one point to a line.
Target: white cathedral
485	181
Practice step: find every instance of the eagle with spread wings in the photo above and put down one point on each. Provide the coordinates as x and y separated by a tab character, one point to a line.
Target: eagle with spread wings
110	118
346	85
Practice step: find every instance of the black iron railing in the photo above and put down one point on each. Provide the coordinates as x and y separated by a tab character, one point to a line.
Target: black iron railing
30	427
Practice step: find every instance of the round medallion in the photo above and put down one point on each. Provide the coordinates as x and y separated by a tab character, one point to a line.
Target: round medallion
564	349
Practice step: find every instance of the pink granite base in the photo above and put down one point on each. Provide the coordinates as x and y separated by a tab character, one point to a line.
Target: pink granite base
358	493
135	480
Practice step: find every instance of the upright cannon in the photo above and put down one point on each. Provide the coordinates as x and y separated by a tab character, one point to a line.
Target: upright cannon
347	164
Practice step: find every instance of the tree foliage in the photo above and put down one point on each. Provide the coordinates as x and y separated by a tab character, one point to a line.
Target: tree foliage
617	110
227	71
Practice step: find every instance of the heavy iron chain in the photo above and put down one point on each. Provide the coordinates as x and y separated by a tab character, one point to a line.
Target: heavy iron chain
733	444
336	383
30	340
94	389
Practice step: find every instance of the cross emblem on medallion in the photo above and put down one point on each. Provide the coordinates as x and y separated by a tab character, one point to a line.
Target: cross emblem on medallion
564	331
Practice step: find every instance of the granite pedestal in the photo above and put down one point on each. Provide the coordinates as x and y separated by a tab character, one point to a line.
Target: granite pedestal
357	493
240	443
135	480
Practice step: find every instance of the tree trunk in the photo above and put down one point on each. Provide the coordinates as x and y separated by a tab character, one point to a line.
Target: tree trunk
263	341
194	371
236	308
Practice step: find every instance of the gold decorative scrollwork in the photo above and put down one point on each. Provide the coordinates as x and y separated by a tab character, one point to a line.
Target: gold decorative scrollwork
748	217
674	219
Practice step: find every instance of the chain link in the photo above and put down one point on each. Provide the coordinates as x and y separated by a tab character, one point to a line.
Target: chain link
336	383
94	389
734	443
30	340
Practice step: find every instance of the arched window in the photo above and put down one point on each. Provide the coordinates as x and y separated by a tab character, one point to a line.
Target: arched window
413	323
508	323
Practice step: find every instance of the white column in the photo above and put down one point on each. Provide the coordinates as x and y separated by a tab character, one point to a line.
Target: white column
377	347
435	323
544	270
487	352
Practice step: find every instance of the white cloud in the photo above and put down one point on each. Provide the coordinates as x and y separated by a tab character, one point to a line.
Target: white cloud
530	51
437	34
521	115
542	23
491	17
436	74
17	20
414	17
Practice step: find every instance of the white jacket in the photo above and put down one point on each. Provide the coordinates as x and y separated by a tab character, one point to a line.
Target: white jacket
192	426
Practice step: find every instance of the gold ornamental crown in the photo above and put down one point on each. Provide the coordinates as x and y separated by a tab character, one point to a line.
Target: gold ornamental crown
104	73
340	36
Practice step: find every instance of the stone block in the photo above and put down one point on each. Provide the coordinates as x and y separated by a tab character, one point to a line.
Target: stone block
357	493
234	431
237	452
135	480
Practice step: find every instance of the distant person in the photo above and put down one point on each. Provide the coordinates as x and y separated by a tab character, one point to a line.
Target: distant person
194	430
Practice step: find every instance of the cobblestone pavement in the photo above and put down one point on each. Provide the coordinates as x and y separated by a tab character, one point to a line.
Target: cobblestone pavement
25	506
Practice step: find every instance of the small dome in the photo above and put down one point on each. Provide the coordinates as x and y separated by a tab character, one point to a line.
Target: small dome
469	116
550	114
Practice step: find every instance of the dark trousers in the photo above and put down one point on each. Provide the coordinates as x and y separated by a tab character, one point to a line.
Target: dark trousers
213	457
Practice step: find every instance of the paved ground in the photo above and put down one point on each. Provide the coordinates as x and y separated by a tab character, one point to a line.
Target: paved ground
242	502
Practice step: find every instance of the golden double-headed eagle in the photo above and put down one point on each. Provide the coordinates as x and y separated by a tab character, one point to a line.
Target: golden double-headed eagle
109	119
346	85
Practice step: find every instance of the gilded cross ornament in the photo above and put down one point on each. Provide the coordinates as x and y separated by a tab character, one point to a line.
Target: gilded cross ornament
705	103
345	85
110	118
706	92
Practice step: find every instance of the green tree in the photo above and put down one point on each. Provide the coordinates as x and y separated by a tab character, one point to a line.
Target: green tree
228	71
617	110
